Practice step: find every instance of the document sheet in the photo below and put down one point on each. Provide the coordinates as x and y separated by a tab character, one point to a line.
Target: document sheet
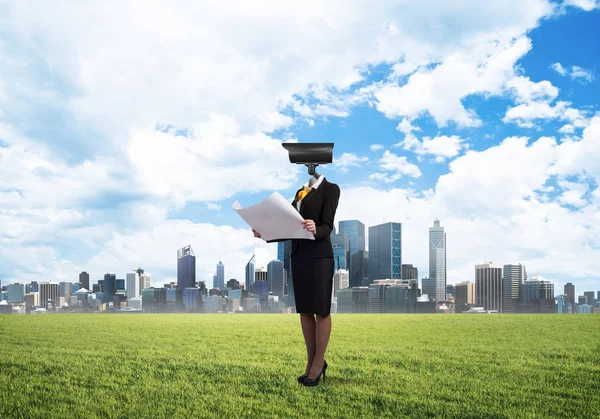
274	218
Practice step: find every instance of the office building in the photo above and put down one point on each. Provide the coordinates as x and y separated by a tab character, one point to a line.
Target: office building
275	277
590	297
385	251
48	294
353	300
219	278
15	293
186	268
537	296
341	251
428	288
514	276
341	280
250	273
284	250
569	291
437	260
109	287
355	231
450	291
233	284
359	268
376	301
465	296
64	289
84	280
133	285
488	286
409	272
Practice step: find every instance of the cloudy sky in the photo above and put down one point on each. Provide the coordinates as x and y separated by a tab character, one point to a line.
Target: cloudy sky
128	129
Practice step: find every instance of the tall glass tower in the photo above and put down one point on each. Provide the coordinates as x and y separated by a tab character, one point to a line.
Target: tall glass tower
250	274
275	277
385	251
220	276
109	287
284	248
355	230
437	259
341	250
186	268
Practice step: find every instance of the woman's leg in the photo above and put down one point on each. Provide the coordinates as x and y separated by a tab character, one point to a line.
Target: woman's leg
309	331
323	333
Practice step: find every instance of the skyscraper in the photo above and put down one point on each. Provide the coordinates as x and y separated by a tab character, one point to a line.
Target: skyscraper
284	250
186	268
590	297
250	274
84	279
109	287
488	286
359	268
275	277
341	250
537	296
48	292
437	259
409	272
355	230
385	251
570	292
219	278
133	285
512	280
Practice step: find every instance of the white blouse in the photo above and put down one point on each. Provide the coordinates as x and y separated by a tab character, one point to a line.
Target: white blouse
314	186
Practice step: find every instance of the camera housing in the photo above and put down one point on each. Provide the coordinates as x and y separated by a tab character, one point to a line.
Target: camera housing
310	154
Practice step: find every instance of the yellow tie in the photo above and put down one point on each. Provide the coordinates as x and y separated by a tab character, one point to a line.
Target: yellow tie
302	193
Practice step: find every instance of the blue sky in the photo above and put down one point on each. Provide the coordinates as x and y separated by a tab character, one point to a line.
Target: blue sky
122	141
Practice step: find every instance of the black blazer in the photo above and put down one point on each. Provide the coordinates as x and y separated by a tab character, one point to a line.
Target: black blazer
320	206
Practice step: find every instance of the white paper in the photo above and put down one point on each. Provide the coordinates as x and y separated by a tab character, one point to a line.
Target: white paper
274	218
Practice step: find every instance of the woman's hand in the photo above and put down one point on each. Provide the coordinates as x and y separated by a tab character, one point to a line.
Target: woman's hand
310	226
256	233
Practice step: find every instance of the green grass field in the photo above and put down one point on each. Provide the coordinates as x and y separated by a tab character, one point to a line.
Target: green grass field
232	365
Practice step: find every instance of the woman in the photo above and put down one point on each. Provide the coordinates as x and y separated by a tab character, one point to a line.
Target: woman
312	271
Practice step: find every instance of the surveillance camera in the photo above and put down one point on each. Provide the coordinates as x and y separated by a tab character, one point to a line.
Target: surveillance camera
309	153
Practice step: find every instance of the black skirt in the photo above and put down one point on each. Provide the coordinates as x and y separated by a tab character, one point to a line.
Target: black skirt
313	284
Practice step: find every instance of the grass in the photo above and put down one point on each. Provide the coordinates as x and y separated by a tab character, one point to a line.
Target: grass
234	366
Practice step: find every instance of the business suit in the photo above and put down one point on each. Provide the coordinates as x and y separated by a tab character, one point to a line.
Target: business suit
312	260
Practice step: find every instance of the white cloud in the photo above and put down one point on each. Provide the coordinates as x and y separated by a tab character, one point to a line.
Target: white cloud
586	5
576	73
581	73
348	160
442	147
385	177
205	165
398	164
483	68
572	194
525	114
376	147
559	68
527	91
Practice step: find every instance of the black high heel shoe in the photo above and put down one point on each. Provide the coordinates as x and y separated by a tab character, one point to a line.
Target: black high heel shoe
302	378
315	381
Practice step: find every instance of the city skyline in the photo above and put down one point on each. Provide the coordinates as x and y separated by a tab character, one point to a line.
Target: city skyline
278	255
470	126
